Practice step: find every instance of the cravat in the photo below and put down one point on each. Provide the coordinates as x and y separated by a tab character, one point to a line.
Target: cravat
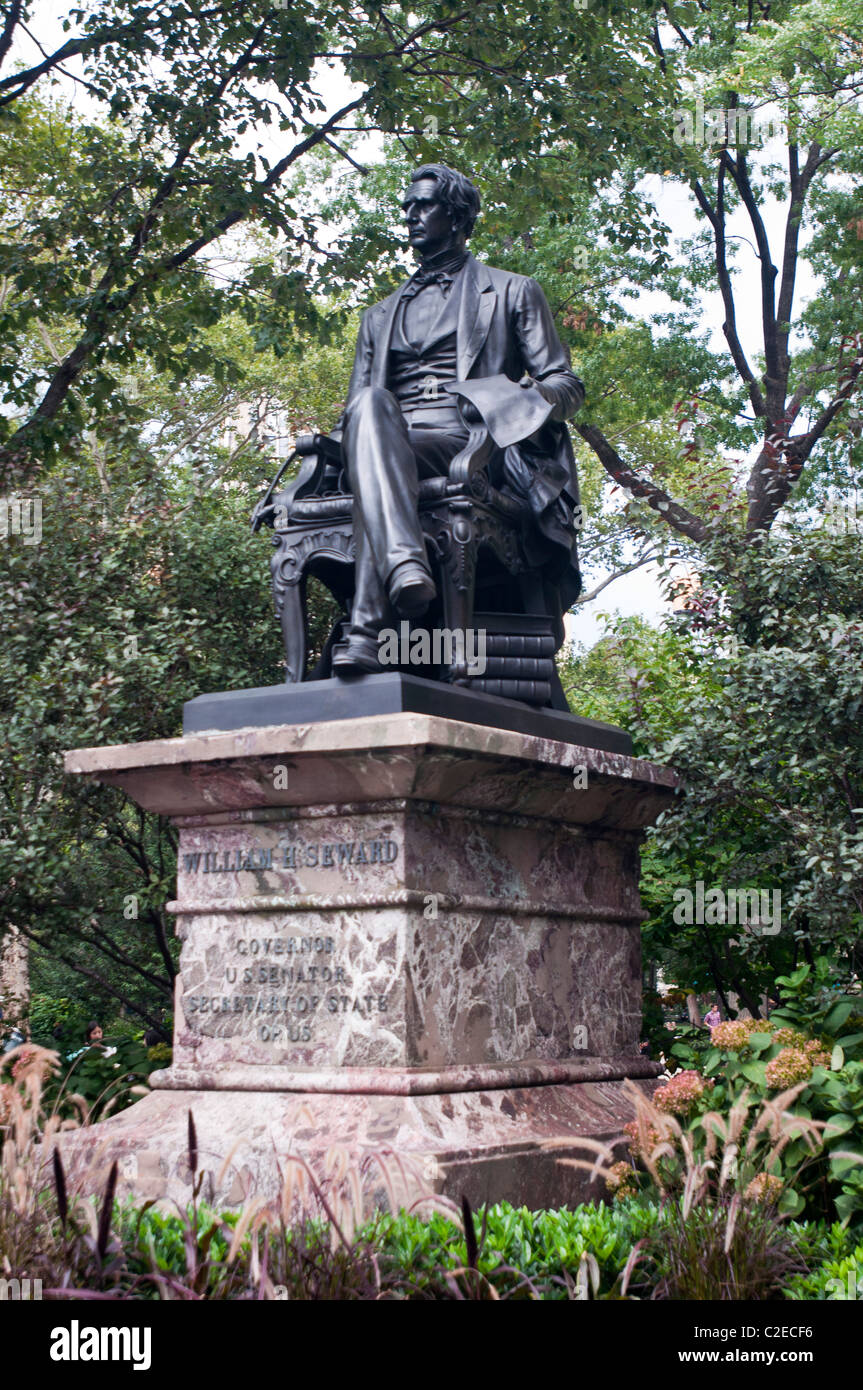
421	278
442	275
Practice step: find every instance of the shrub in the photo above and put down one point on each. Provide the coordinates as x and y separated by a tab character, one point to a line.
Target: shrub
104	1084
682	1094
836	1264
821	1063
519	1252
311	1245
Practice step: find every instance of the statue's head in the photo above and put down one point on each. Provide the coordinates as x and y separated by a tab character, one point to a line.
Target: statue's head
441	207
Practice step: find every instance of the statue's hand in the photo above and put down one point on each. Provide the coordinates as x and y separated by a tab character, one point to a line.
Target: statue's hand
528	380
470	414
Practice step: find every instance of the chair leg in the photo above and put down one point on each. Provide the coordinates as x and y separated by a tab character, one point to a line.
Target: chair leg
458	580
293	620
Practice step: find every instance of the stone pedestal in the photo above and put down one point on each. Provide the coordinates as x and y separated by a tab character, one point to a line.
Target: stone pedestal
410	936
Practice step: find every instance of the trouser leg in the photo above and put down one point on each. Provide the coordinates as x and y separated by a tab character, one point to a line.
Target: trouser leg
370	603
382	472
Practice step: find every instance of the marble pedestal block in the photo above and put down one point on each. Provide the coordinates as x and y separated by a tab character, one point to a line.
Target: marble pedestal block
402	934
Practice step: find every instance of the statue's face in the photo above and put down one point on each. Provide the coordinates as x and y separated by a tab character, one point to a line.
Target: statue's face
430	228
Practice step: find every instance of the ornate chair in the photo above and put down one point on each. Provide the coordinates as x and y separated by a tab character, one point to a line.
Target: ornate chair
475	536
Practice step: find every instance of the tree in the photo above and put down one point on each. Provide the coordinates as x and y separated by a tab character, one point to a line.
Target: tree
805	59
110	627
690	432
110	225
753	695
142	588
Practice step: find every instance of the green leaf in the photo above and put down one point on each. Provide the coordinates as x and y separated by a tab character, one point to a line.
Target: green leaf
846	1205
839	1124
791	1203
838	1015
841	1167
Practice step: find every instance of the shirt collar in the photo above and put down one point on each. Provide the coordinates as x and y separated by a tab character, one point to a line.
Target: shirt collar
450	261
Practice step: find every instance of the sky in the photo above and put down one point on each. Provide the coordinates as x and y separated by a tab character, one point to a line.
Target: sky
638	592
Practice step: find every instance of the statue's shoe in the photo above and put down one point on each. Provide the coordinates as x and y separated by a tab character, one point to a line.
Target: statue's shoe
356	656
411	589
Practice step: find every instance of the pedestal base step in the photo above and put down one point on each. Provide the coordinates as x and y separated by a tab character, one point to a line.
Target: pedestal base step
392	692
491	1146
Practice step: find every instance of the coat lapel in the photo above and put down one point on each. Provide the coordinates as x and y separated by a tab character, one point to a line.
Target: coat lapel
383	336
475	314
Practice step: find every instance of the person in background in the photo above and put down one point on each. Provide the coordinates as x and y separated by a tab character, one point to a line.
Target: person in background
712	1017
17	1036
95	1036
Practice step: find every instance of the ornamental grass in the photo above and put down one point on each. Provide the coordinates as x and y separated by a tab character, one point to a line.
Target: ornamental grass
719	1182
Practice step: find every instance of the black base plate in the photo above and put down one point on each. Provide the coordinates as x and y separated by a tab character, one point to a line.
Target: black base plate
391	692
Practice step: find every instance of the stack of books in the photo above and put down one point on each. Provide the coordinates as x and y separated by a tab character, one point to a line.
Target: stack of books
519	652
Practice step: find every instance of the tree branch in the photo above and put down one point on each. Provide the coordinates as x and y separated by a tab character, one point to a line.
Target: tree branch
12	18
781	460
158	923
677	516
107	307
90	975
799	183
739	173
716	217
618	574
802	446
17	83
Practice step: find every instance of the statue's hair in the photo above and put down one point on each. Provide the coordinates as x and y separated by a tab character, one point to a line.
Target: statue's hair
458	194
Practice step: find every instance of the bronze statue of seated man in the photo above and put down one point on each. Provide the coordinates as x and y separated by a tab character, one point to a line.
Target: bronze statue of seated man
458	342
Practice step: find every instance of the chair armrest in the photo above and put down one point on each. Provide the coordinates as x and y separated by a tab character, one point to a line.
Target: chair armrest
324	444
318	453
